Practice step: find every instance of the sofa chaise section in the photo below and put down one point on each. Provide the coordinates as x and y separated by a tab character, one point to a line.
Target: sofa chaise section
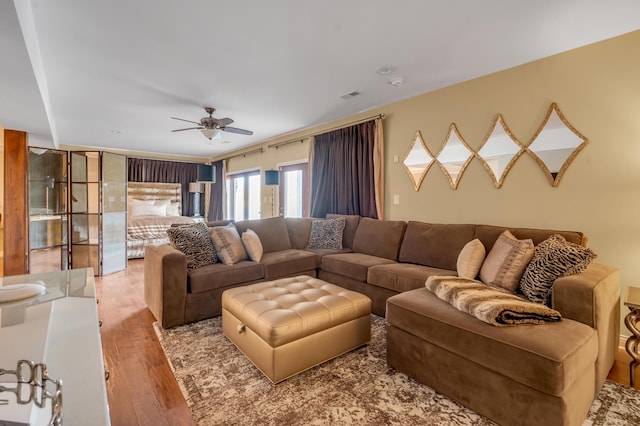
544	374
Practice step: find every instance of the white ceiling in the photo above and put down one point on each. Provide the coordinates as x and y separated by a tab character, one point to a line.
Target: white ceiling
110	74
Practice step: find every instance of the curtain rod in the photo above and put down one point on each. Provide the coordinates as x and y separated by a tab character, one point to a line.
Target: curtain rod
206	162
244	154
350	124
279	144
301	139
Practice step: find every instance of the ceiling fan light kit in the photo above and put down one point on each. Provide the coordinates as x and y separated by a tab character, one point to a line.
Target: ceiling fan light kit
212	127
212	133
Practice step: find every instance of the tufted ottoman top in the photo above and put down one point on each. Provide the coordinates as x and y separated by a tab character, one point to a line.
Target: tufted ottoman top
288	309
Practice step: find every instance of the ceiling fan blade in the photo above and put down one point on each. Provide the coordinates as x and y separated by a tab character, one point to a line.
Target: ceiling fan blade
223	122
236	130
188	128
188	121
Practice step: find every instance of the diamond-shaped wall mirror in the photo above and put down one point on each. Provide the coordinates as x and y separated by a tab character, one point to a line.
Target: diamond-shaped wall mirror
417	161
455	156
555	145
499	151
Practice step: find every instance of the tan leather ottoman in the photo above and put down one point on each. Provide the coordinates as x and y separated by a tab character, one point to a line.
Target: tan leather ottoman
292	324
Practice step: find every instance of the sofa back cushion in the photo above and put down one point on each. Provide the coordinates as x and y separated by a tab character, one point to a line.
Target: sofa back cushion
299	229
488	234
381	238
350	227
272	232
435	245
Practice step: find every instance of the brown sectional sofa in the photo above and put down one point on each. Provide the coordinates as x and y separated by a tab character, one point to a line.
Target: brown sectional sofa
547	374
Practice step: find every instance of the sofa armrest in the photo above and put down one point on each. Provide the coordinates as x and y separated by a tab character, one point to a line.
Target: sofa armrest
593	298
165	284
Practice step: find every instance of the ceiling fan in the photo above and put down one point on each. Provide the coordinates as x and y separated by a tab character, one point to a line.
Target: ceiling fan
212	127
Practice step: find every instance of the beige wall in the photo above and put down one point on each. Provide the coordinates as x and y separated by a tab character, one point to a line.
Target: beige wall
597	87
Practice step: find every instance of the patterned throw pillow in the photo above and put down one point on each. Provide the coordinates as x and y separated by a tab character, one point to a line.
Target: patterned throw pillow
506	261
228	244
555	257
470	259
194	241
326	233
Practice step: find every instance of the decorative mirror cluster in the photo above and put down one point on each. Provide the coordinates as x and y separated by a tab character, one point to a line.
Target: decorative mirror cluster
554	146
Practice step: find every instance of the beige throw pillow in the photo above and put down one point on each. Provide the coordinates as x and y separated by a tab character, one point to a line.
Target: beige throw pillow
228	244
507	261
470	259
253	245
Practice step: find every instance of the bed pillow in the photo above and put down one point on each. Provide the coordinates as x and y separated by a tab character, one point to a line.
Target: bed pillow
326	233
553	258
228	244
194	241
146	208
506	262
252	245
470	259
173	209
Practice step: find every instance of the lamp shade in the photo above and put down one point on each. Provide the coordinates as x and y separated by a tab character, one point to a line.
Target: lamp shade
196	187
206	173
271	177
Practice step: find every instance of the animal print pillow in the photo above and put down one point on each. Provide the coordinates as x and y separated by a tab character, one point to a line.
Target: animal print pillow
326	233
553	258
194	241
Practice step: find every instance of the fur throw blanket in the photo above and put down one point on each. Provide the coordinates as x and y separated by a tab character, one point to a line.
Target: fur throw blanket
490	304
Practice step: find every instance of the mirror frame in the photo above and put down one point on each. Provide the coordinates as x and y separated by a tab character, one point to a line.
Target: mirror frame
555	181
417	183
497	182
454	129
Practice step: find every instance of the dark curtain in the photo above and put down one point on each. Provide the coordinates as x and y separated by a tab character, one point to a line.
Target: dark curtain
343	172
136	169
145	170
216	202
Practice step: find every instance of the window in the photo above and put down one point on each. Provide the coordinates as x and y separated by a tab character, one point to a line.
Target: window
243	195
294	190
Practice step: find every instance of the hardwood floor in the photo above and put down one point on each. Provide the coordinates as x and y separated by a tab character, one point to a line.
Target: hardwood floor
141	388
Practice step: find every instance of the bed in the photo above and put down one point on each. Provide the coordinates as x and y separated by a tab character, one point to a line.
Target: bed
152	208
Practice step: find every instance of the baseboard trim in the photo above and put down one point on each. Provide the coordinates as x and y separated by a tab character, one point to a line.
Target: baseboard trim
622	341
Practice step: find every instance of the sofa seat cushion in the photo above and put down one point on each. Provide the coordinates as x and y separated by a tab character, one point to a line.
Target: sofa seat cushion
562	350
403	276
324	252
219	275
290	262
352	265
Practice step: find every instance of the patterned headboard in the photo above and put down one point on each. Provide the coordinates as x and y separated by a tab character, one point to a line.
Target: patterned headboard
155	191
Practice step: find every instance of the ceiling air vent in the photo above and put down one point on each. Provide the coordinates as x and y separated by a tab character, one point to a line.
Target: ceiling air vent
350	95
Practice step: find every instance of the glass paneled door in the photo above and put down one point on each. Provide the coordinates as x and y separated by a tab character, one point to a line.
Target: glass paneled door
48	242
294	190
243	196
114	213
99	211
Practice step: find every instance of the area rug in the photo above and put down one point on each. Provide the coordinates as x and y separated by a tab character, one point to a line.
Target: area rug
221	386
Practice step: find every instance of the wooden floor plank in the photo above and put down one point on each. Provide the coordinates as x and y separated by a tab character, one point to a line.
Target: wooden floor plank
142	389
